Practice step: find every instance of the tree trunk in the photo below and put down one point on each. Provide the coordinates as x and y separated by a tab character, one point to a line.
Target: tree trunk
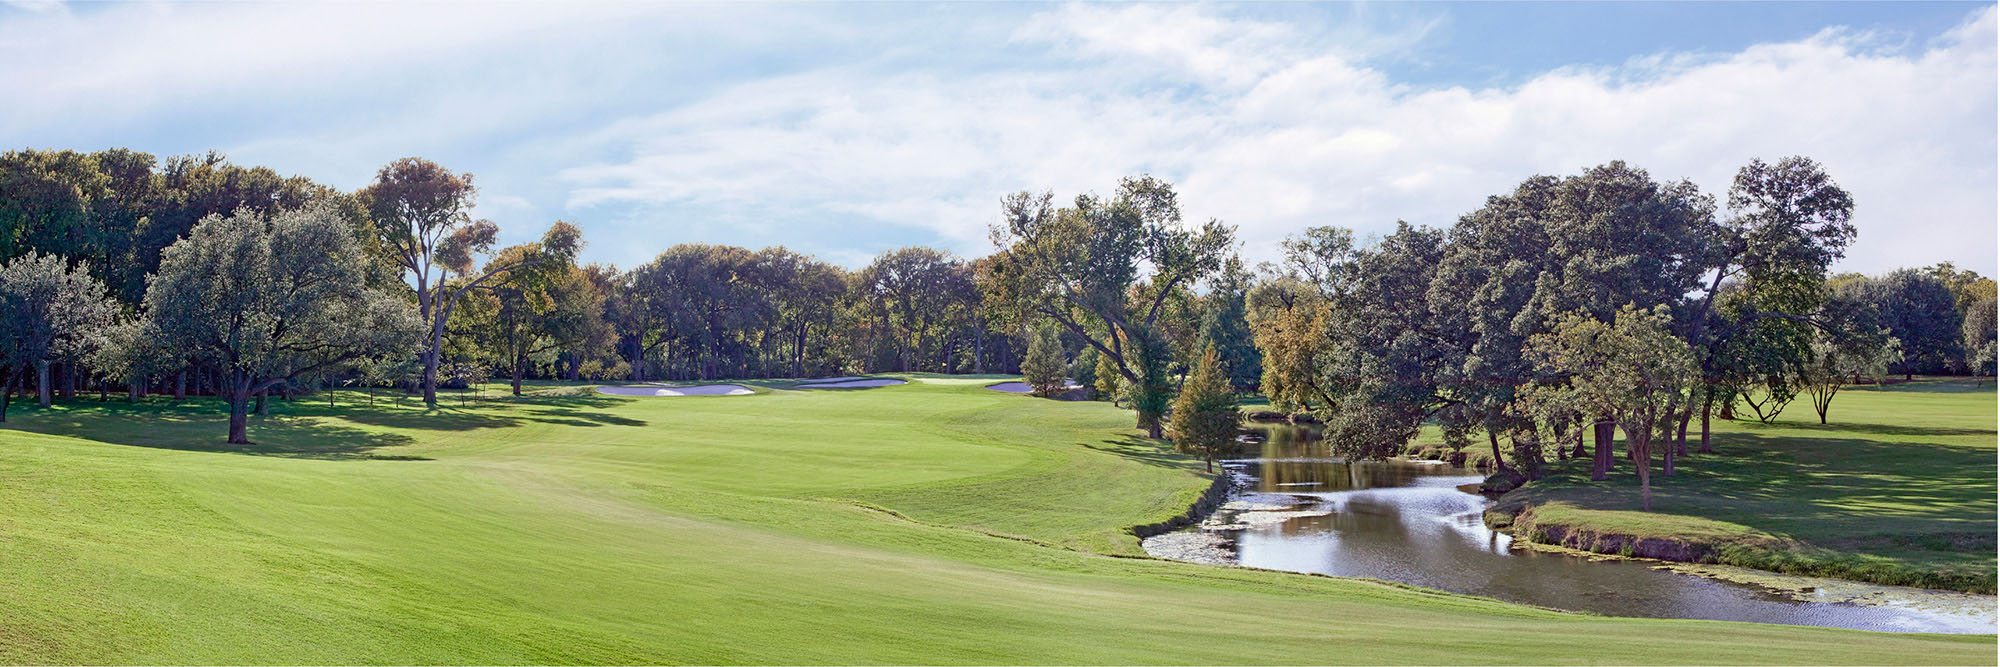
1681	438
137	389
1706	408
6	395
431	379
1639	443
1494	440
519	362
1579	453
1667	455
68	380
239	418
1602	465
42	386
181	385
264	403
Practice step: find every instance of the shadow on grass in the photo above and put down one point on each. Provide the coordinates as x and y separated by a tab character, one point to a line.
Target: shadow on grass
1878	429
1932	385
202	426
1807	487
1148	451
305	428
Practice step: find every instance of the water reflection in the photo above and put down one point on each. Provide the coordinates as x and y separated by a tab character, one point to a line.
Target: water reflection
1409	522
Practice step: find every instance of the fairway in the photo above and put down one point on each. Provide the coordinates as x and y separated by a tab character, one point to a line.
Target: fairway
934	522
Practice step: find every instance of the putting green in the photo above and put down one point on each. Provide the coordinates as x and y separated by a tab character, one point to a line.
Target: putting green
933	522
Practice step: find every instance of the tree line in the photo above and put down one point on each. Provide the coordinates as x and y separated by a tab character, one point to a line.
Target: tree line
1566	310
1577	307
194	275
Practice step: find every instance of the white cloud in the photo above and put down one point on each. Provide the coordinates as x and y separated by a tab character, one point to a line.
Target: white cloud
652	124
1265	128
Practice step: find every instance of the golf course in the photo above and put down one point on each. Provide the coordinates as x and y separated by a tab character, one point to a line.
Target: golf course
929	522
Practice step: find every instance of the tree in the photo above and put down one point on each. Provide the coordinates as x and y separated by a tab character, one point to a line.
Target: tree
48	311
1225	324
1079	265
1108	384
268	300
1206	416
1633	370
917	294
1967	286
1789	221
1150	393
1043	369
1083	370
537	310
423	213
807	294
1839	358
1979	336
1291	321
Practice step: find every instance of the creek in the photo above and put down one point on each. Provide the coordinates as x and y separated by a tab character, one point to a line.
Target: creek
1300	510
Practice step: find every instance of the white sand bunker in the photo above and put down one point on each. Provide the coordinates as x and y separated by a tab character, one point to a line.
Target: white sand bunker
1022	387
695	390
850	383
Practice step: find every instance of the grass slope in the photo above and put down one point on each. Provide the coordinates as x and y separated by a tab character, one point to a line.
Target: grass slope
1898	488
930	523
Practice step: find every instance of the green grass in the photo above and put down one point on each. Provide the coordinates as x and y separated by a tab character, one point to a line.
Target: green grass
1897	488
929	523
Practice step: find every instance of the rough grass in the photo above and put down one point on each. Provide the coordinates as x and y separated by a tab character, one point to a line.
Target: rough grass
1898	488
927	523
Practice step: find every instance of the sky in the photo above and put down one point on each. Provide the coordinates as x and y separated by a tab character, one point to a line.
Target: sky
847	129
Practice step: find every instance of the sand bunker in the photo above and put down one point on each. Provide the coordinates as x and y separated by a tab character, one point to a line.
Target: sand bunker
850	383
1022	387
696	390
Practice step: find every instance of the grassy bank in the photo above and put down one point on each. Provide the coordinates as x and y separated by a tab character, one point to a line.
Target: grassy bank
1898	488
936	522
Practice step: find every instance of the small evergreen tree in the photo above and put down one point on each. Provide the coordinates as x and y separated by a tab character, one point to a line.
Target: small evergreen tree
1205	416
1043	369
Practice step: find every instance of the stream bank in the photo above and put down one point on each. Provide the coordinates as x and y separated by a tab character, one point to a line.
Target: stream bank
1297	509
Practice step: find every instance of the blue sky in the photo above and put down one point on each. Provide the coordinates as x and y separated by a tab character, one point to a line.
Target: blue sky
847	129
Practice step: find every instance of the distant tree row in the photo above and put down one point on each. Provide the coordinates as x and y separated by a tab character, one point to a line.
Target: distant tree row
195	275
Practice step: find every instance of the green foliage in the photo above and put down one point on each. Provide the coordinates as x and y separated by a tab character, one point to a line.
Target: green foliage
915	296
1225	324
48	312
1206	416
1043	369
1109	384
1108	270
422	214
1979	333
1149	393
268	300
1083	369
1632	370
